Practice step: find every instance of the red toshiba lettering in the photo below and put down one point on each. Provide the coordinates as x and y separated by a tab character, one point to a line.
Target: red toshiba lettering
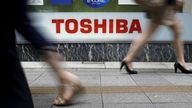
75	26
111	26
58	24
135	26
86	26
103	26
121	26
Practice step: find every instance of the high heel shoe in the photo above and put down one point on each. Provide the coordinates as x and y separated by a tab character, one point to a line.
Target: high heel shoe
129	71
76	89
181	68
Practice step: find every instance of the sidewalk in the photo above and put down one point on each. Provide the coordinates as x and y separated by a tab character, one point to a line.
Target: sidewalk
155	86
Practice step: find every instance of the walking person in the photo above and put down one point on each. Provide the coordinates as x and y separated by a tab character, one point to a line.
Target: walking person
15	92
159	12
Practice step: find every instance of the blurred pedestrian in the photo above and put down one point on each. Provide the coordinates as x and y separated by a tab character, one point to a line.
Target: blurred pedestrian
15	92
159	12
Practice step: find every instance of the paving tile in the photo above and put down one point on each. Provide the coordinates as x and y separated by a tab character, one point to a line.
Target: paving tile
150	79
173	105
90	80
81	105
189	94
84	101
129	106
125	98
33	74
51	70
46	80
113	72
169	97
89	72
118	80
89	99
43	100
178	79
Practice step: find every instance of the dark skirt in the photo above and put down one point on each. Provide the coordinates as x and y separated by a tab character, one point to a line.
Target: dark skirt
14	92
159	13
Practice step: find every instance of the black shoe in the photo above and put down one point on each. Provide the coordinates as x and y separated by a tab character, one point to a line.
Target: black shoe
182	69
129	71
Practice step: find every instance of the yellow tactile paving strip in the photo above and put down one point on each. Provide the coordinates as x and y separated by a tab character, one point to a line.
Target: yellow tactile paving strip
120	89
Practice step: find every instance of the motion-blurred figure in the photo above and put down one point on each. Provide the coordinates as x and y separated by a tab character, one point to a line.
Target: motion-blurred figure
15	92
160	12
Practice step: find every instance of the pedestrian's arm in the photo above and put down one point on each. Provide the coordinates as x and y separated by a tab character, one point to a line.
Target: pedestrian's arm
23	25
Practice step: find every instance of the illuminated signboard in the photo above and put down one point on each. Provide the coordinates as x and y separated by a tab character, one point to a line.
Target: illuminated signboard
111	23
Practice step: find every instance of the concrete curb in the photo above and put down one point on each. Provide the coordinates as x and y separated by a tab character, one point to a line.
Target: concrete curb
104	65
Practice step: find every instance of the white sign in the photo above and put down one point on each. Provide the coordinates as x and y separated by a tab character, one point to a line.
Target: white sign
126	2
101	27
35	2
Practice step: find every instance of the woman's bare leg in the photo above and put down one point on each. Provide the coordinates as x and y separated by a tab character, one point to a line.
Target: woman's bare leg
70	83
138	44
178	44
